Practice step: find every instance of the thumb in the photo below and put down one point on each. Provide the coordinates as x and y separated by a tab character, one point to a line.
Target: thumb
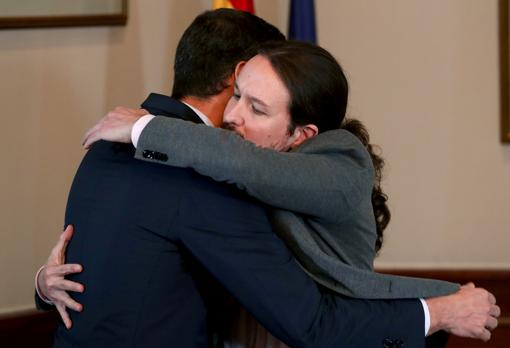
57	256
66	238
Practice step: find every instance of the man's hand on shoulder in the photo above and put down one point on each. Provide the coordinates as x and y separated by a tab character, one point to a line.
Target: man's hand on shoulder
115	126
471	312
51	284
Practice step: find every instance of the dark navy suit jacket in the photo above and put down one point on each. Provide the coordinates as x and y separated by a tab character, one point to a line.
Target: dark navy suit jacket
140	229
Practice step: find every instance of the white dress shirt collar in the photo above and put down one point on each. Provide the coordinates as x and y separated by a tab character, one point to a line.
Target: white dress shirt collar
200	114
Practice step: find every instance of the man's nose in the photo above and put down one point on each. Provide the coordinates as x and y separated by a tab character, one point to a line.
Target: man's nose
235	115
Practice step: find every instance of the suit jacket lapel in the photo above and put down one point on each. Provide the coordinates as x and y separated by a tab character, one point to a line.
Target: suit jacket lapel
162	105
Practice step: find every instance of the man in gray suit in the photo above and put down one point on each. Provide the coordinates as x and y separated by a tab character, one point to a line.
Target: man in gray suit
433	307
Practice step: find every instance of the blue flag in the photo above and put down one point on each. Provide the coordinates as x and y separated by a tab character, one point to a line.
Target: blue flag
302	21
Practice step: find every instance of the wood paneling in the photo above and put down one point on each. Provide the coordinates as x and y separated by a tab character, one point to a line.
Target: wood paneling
28	329
35	329
497	282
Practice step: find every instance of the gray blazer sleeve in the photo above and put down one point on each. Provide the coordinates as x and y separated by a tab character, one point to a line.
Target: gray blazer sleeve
325	176
328	177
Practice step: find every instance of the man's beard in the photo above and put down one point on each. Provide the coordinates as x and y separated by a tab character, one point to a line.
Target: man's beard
277	147
231	127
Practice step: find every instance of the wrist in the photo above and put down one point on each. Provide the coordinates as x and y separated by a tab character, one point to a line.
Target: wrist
438	320
38	288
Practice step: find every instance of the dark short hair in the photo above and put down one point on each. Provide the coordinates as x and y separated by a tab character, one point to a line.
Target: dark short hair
212	46
316	83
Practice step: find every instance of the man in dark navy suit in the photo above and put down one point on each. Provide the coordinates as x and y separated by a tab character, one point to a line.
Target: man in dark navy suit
141	228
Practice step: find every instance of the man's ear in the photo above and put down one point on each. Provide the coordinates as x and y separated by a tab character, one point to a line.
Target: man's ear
230	81
239	67
301	133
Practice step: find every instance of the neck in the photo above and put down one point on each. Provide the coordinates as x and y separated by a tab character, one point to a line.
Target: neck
212	107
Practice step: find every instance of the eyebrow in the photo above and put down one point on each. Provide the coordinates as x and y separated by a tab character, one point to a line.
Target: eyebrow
252	98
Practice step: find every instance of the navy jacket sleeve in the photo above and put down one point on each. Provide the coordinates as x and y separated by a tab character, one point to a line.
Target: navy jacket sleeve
231	236
40	304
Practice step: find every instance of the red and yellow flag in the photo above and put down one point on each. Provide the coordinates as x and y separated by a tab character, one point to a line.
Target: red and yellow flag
243	5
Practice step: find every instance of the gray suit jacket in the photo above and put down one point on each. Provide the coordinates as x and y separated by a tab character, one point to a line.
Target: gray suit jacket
321	194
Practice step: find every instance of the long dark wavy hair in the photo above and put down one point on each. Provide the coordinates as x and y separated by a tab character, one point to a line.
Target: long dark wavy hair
381	211
318	92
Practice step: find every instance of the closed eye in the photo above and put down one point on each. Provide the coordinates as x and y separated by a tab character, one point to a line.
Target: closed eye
257	111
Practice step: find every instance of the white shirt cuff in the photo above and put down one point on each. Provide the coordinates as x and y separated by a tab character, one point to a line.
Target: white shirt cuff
138	128
427	315
37	288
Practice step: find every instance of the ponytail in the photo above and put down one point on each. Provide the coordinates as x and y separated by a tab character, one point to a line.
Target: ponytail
381	211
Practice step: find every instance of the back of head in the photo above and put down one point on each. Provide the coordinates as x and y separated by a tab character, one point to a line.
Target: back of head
211	47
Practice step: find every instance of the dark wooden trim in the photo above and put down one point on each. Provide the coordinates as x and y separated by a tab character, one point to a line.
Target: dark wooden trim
464	275
35	329
65	21
504	70
496	281
28	329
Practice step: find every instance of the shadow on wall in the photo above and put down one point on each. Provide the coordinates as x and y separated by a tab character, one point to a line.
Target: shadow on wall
505	152
123	68
52	92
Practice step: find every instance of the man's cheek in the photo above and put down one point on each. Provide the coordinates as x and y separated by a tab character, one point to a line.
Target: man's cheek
254	137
